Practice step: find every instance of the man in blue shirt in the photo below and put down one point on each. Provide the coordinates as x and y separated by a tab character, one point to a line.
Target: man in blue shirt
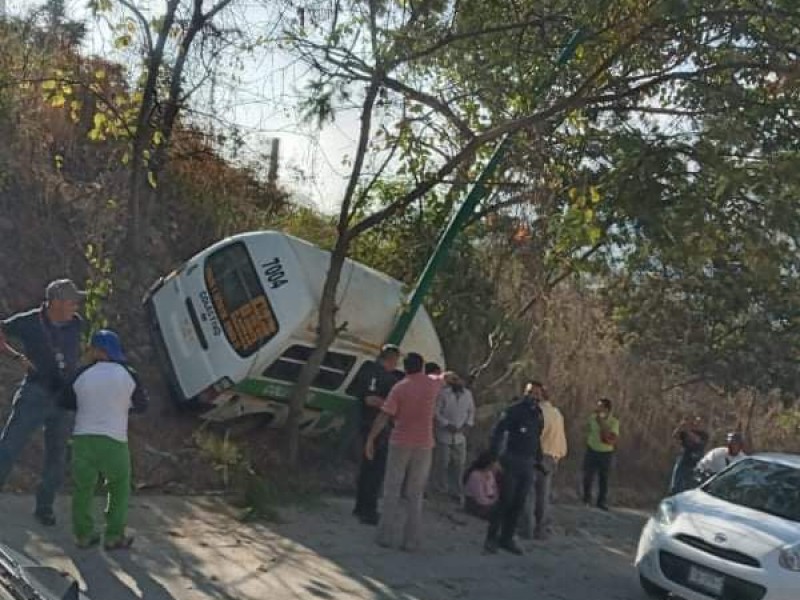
521	428
50	338
372	388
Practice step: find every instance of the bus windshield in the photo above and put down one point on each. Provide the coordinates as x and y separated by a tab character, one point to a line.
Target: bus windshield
239	300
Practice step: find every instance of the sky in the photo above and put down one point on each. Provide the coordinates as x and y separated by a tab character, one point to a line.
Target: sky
261	99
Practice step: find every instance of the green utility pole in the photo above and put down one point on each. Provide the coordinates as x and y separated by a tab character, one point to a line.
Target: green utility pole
467	208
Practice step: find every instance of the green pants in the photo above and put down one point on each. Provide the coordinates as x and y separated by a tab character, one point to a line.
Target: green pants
94	456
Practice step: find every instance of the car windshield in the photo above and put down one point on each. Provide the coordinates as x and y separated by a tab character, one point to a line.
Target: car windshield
765	486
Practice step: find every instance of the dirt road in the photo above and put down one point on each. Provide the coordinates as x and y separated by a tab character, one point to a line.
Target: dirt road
194	549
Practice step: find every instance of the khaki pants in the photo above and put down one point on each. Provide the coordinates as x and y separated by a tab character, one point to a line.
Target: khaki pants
449	464
537	505
411	466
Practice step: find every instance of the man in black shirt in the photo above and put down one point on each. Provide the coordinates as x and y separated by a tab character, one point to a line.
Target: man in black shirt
693	437
521	426
50	337
372	388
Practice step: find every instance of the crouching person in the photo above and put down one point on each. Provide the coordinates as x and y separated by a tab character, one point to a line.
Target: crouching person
102	394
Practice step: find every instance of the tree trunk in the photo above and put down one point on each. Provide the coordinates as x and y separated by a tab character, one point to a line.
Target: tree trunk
137	181
326	334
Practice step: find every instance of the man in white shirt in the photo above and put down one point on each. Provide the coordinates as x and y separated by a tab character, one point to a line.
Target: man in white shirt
719	458
554	448
103	394
455	413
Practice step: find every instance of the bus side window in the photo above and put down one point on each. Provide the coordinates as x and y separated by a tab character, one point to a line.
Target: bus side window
332	374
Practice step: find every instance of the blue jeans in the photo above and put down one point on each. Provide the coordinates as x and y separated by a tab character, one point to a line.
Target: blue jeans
36	407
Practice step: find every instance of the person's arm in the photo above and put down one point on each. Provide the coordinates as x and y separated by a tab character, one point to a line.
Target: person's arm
377	427
13	327
707	462
439	416
374	401
388	410
470	410
539	453
561	436
498	432
609	430
68	400
139	397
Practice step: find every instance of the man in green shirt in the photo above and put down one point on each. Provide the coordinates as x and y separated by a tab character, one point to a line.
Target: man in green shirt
603	433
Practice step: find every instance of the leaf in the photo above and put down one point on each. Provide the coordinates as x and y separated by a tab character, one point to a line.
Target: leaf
158	138
151	179
49	85
122	41
58	101
99	120
100	74
573	195
126	158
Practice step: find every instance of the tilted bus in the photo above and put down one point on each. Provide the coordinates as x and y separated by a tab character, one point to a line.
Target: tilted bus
235	324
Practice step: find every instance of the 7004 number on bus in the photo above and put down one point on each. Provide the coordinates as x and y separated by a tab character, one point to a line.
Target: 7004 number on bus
274	272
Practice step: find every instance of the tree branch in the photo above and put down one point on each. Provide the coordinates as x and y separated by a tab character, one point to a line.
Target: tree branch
358	163
142	21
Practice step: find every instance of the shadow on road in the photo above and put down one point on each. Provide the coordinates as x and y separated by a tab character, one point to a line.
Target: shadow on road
193	549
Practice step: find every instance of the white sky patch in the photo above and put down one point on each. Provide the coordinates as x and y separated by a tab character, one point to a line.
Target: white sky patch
262	100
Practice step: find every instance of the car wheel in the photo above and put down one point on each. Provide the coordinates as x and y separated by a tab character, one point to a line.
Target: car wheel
651	589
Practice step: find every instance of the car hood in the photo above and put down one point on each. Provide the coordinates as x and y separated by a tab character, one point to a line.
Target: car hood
747	530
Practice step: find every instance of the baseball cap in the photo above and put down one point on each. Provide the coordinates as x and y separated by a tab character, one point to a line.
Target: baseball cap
63	289
388	349
108	341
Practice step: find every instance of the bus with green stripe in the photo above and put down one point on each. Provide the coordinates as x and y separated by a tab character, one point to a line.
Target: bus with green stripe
234	325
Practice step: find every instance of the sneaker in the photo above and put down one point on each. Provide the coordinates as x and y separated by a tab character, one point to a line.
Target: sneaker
123	543
603	506
48	519
87	542
490	547
512	547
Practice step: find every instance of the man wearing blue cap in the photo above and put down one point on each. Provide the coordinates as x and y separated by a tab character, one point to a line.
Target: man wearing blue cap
50	338
103	394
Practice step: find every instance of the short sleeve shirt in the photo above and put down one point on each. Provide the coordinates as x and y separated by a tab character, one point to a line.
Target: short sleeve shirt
374	380
595	441
412	403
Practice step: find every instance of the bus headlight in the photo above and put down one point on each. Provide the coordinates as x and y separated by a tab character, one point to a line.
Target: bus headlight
222	384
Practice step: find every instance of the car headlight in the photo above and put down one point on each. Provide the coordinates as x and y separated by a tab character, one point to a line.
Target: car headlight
790	558
667	513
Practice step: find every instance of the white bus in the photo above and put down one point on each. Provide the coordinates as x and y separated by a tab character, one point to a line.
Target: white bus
235	324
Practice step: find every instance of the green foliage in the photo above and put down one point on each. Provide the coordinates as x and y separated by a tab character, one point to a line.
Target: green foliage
225	456
99	286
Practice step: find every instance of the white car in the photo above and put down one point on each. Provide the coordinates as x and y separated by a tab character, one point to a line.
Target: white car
737	537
